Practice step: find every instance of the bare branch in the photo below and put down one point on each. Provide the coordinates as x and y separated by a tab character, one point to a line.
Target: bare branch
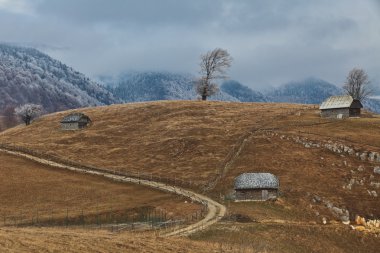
214	65
357	84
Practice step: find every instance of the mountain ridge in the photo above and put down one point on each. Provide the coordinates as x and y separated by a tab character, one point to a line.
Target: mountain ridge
30	76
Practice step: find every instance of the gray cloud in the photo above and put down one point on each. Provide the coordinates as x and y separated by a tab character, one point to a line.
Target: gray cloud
271	42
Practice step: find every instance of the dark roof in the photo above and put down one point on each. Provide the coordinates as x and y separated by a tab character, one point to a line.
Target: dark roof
336	102
256	181
75	117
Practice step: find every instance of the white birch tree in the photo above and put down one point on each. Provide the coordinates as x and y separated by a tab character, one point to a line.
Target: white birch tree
28	112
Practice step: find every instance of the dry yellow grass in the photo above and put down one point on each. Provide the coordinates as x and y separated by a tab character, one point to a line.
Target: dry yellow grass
204	141
277	237
35	240
27	187
185	139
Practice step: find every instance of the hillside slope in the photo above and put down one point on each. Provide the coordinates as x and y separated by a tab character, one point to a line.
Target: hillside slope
198	142
210	143
29	76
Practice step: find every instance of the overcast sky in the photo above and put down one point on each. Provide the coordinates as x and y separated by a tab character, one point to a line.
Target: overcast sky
272	42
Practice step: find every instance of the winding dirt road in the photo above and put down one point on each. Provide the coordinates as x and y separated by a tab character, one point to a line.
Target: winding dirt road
215	210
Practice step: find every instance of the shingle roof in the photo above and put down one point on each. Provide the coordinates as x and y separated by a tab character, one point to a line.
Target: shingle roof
256	181
336	102
74	117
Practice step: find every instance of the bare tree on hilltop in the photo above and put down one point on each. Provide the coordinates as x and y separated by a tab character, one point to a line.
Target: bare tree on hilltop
357	84
214	65
28	112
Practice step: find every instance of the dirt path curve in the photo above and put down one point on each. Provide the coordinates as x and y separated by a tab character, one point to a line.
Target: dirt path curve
215	210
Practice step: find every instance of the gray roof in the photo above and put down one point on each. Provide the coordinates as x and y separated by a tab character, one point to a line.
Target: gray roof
256	181
75	117
336	102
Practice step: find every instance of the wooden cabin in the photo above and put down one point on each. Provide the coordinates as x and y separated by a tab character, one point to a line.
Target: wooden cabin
256	187
75	121
340	107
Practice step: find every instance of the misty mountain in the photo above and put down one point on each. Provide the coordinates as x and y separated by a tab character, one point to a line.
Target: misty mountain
313	91
241	92
30	76
150	86
308	91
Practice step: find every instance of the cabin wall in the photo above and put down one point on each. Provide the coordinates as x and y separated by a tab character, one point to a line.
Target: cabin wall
333	113
256	194
69	126
355	112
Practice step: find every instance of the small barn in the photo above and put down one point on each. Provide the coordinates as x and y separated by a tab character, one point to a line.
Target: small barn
256	186
75	121
340	107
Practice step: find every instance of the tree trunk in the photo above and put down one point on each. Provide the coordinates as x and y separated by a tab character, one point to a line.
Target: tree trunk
27	120
204	97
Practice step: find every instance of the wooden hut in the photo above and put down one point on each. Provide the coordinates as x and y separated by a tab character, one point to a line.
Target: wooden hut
75	121
340	107
256	187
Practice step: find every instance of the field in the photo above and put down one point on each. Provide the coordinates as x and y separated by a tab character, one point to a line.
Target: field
210	143
28	189
37	240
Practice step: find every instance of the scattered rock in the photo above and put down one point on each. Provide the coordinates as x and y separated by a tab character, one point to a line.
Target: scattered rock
375	184
361	168
317	199
372	193
324	221
376	170
363	156
371	156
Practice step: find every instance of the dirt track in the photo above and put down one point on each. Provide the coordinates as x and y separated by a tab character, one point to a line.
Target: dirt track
215	210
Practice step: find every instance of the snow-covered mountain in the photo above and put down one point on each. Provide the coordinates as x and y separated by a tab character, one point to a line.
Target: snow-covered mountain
150	86
30	76
308	91
242	92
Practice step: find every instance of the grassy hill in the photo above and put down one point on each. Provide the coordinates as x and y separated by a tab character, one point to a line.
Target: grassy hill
31	191
210	143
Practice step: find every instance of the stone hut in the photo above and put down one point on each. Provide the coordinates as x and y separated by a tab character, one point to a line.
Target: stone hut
256	187
340	107
75	121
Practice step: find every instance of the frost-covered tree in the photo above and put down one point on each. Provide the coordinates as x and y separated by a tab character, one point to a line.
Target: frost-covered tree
357	84
28	112
214	65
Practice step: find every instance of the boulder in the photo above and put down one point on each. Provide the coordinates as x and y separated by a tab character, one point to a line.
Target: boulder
376	170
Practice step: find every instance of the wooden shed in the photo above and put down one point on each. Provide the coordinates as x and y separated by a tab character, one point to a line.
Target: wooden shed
340	107
256	187
75	121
